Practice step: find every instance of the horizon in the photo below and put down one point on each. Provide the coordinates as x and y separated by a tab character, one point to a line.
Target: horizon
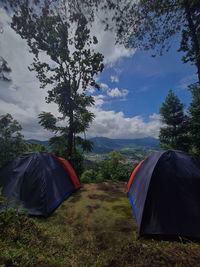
147	137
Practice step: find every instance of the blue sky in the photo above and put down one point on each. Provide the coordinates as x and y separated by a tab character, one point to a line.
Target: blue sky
133	87
148	80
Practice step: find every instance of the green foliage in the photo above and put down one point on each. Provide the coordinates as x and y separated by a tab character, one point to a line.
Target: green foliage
151	24
73	68
4	70
58	147
11	143
194	112
175	132
48	121
112	169
35	147
89	176
77	161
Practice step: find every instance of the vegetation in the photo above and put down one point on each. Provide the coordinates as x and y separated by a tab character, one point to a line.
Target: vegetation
181	131
150	24
4	70
175	132
11	143
114	168
69	74
194	113
103	216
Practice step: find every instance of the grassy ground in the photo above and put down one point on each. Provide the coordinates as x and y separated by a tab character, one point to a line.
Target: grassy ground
94	227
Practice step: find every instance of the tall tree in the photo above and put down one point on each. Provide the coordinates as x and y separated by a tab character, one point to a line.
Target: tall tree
194	113
11	143
174	133
71	70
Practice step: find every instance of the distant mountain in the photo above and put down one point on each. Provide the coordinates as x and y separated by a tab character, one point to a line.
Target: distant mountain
44	143
106	145
103	145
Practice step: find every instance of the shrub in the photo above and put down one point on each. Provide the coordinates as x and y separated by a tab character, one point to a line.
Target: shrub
89	176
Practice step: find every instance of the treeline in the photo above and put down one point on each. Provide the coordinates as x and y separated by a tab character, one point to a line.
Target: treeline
13	145
181	128
113	169
11	140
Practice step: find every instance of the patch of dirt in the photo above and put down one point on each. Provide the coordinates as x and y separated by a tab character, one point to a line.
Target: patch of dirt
109	197
111	187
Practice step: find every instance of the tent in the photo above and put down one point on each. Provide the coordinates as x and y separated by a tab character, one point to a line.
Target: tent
38	182
164	192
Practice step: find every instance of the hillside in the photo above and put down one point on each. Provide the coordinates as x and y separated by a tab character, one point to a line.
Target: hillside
106	145
95	227
44	143
103	145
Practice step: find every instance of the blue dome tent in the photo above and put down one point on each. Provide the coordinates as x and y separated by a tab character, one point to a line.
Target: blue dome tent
164	192
38	182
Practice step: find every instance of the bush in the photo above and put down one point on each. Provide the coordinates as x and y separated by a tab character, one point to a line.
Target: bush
89	176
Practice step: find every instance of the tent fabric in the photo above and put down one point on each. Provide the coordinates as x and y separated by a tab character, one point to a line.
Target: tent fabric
37	182
71	171
133	175
165	194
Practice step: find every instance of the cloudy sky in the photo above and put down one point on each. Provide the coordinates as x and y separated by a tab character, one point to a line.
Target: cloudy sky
133	87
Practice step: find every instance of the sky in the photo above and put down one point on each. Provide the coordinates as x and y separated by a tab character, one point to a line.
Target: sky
133	87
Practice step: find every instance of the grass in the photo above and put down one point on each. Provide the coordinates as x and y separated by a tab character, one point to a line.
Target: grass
94	227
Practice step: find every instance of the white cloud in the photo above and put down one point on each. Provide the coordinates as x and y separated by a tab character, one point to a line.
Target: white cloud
22	97
99	100
114	79
115	92
186	81
155	116
107	43
104	86
113	124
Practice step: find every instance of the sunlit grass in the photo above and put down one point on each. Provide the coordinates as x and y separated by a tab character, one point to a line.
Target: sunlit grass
94	227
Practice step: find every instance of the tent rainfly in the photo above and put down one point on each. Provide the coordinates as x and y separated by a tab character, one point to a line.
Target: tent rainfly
164	192
38	182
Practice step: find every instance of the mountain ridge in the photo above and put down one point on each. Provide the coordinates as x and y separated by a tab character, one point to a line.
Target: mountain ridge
105	145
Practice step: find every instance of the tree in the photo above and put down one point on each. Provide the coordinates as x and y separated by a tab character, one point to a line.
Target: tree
72	69
175	132
113	169
89	176
11	143
150	24
4	70
194	112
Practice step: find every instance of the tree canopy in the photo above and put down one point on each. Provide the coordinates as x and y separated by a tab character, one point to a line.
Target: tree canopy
11	143
194	115
70	70
174	133
150	24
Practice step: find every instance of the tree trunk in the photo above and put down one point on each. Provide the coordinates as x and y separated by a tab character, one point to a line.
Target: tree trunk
70	134
193	31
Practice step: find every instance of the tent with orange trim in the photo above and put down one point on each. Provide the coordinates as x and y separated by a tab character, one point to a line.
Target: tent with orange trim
164	192
38	182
